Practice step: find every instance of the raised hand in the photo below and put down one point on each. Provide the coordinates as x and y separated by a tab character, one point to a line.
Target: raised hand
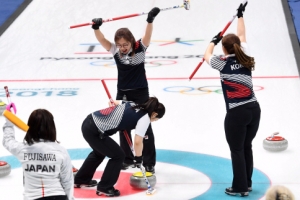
241	9
152	14
97	23
216	39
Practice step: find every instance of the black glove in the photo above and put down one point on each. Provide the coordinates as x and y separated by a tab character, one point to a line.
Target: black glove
241	9
152	14
138	161
97	23
217	39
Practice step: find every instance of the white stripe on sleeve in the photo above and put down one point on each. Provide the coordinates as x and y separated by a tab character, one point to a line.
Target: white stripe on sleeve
142	125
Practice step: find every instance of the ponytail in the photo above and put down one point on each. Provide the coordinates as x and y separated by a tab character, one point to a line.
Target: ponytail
152	105
232	44
243	58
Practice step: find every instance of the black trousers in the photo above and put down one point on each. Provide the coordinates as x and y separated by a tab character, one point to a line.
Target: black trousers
101	148
149	153
241	125
60	197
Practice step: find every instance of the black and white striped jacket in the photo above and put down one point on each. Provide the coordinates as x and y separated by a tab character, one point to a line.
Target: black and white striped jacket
122	117
131	69
236	80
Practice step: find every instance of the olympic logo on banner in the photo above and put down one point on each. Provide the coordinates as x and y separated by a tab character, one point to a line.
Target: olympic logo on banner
203	90
153	63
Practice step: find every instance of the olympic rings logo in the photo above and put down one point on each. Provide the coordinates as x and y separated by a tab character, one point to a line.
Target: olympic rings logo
154	63
203	90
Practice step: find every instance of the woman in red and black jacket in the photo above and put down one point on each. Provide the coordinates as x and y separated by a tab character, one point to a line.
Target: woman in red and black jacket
129	56
243	110
97	128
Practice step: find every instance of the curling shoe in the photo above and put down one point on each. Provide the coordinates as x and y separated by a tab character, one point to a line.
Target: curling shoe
230	191
92	183
126	166
150	168
111	192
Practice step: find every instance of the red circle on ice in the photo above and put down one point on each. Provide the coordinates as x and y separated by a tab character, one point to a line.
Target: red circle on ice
122	185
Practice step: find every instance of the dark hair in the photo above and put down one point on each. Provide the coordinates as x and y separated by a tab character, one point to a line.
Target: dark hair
152	105
126	34
232	44
41	126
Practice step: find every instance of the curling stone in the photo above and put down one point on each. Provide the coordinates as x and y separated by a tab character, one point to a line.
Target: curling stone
275	143
4	168
2	106
137	180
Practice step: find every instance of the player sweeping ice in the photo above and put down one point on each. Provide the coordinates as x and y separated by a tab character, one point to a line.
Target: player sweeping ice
97	129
